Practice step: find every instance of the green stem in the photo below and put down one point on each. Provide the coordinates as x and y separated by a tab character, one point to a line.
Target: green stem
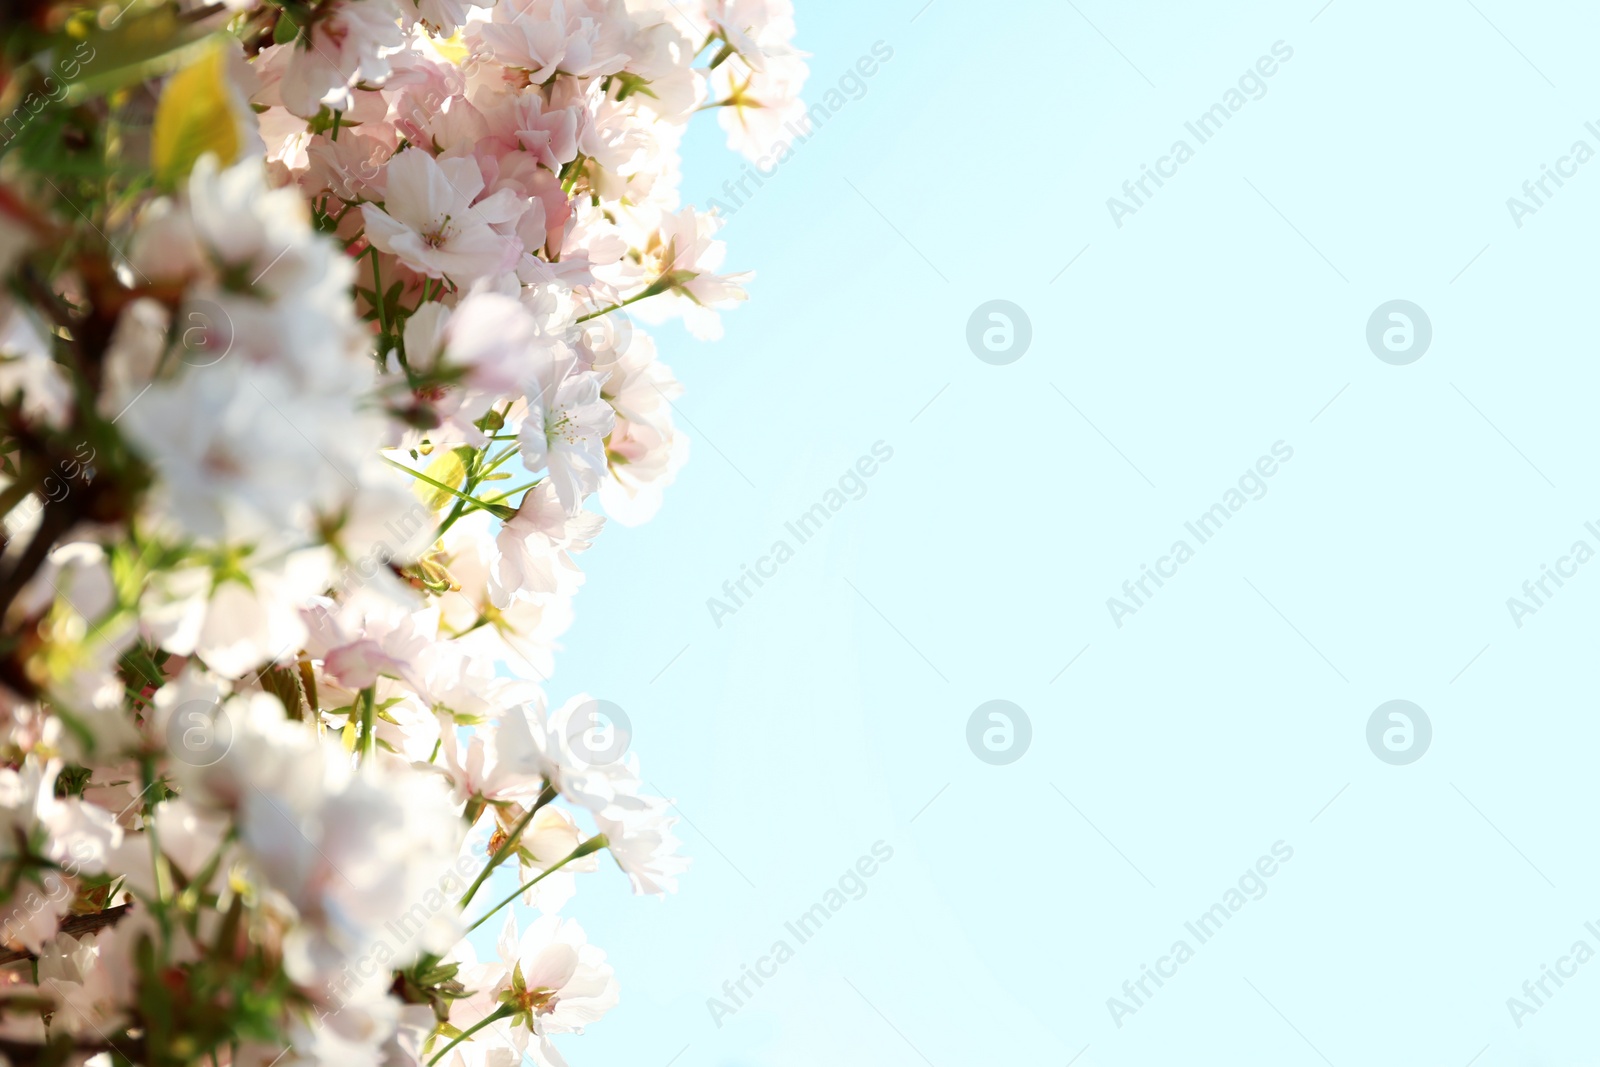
158	862
652	289
189	899
510	844
502	1012
474	501
377	289
449	521
510	450
475	473
594	844
369	709
490	505
513	492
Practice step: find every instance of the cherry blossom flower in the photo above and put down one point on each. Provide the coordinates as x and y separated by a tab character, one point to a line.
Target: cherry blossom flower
687	258
27	371
77	838
322	389
534	741
549	980
344	41
565	430
429	218
474	354
645	450
538	541
89	994
580	38
644	846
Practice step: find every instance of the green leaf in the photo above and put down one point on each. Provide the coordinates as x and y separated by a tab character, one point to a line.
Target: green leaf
519	984
285	30
633	83
140	45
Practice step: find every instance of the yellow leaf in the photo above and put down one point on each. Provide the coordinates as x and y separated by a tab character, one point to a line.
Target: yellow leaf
447	469
453	48
194	116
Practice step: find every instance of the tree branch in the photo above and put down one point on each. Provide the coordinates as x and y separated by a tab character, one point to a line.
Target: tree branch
77	926
27	1054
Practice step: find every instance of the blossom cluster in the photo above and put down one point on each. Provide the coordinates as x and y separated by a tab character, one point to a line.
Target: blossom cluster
315	382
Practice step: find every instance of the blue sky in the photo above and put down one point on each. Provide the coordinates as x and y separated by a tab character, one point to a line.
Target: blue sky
1228	314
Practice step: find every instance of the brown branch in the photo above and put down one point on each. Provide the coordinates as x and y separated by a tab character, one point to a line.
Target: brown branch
59	517
77	926
200	14
62	1050
44	297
